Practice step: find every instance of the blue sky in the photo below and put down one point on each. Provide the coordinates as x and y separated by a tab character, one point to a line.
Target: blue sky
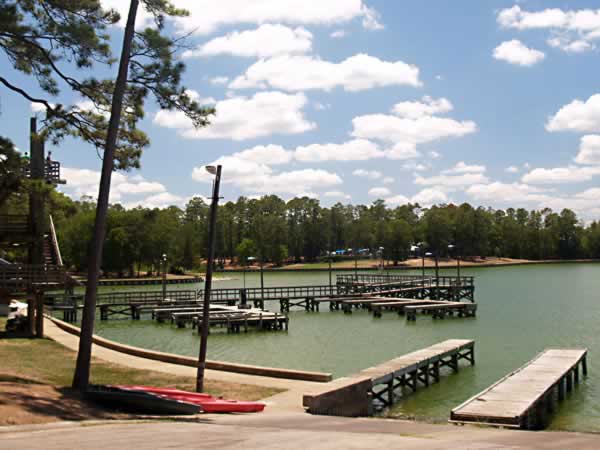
492	102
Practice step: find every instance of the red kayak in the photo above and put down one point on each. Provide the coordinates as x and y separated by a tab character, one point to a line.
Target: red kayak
208	403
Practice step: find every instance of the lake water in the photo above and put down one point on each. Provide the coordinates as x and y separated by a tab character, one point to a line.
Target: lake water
522	310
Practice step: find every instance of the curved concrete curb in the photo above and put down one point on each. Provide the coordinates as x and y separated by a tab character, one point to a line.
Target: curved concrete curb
273	372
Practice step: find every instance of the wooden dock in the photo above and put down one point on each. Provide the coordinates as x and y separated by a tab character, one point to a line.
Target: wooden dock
380	386
525	397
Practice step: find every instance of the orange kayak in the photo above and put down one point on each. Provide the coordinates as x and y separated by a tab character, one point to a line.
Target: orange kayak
208	403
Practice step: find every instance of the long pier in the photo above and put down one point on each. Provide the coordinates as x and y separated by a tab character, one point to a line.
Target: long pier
380	386
525	397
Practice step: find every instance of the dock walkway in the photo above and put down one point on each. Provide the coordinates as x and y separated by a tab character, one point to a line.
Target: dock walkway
359	394
523	398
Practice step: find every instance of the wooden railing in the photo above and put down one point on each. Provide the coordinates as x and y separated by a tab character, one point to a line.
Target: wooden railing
51	172
124	298
444	281
54	241
13	224
271	293
24	277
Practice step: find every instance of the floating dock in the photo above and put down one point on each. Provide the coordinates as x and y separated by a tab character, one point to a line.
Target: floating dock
378	387
525	397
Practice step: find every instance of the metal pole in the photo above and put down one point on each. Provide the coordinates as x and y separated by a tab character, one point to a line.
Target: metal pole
423	265
208	283
458	267
164	278
355	266
262	280
437	275
244	268
330	285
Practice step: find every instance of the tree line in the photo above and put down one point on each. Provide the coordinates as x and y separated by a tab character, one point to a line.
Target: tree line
302	230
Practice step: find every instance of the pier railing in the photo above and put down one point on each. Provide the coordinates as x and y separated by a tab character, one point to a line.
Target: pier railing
365	279
26	277
272	293
125	298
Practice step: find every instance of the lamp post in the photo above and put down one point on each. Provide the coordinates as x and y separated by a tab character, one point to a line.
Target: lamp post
216	171
455	247
355	264
381	249
164	276
330	283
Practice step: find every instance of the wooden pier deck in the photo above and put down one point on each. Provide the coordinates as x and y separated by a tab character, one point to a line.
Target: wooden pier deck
379	386
525	397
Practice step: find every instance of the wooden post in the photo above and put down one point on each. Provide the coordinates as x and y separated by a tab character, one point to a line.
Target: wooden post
39	314
584	365
569	381
561	389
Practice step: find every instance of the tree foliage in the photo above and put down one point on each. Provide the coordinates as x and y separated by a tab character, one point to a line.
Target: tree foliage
63	44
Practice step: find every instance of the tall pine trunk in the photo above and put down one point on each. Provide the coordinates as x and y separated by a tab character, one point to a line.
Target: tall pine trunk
82	369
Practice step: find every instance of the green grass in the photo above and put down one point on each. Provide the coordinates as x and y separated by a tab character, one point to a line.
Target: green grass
41	360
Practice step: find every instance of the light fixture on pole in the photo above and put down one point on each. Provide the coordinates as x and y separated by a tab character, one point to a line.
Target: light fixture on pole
455	247
381	249
208	282
164	276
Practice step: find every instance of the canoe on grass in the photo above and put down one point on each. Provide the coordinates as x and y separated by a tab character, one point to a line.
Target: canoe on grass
139	402
208	403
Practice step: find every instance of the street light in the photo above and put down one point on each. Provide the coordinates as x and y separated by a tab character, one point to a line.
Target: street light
208	282
381	249
164	276
455	247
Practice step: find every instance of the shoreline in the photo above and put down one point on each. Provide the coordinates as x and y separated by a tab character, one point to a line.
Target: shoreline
429	265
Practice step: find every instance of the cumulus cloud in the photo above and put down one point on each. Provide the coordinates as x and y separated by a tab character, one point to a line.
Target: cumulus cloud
354	150
240	118
254	175
337	34
515	52
300	73
128	190
370	174
337	194
589	150
379	192
576	28
506	193
451	181
560	175
264	41
462	167
206	16
577	116
428	106
266	154
412	124
388	180
425	198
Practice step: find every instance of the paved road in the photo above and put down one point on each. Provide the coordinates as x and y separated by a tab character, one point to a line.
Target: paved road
286	431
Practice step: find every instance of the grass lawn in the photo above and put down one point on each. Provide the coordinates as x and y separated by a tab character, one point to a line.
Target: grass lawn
30	365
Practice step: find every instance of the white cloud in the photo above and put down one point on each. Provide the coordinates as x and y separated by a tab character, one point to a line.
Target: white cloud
560	175
219	80
463	167
239	118
589	150
577	116
39	107
206	16
452	181
506	193
512	169
402	150
430	196
434	155
264	41
575	28
337	194
425	198
354	150
515	52
426	107
370	174
388	180
125	188
266	154
409	130
379	192
337	34
299	73
570	46
257	177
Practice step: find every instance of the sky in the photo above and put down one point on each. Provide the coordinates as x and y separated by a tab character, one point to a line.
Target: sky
495	103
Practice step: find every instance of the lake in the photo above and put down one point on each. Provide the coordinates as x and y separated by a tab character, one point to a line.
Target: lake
522	310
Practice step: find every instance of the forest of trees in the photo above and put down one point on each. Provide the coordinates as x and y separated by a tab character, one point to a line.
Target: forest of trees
300	229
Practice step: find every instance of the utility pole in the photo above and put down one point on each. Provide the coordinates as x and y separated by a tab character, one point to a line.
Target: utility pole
208	282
